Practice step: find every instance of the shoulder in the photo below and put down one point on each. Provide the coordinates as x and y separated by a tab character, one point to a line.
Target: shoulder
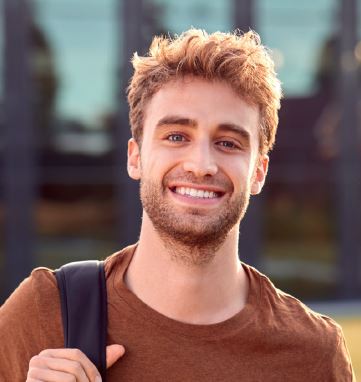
30	321
303	330
36	303
44	288
287	308
36	290
290	317
43	279
118	262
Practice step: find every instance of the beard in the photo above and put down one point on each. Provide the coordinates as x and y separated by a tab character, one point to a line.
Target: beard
193	234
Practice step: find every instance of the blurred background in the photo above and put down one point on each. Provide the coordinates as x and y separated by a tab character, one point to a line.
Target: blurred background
64	192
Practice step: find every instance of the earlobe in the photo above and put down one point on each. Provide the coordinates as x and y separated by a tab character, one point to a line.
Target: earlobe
133	159
260	174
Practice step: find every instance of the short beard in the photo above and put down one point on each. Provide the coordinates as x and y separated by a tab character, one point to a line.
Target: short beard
193	241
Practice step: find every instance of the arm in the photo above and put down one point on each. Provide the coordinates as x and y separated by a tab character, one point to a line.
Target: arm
342	367
336	361
29	319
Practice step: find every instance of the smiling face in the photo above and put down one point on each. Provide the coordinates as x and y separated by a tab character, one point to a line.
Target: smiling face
199	160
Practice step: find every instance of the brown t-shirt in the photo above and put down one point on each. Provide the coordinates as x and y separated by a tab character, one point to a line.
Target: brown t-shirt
274	338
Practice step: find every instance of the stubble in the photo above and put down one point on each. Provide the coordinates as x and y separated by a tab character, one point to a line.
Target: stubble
192	236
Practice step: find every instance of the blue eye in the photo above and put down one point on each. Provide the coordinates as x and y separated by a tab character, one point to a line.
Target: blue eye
227	144
175	138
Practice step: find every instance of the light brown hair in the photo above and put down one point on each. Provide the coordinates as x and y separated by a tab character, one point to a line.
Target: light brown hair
239	60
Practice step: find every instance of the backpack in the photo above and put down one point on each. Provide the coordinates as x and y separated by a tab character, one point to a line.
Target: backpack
83	298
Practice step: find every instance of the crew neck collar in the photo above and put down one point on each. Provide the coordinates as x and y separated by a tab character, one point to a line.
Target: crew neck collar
161	322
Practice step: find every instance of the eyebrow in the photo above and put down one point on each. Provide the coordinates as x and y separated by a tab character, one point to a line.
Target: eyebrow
176	120
235	129
183	121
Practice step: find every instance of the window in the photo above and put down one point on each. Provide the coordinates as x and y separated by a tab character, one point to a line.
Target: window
171	16
75	47
297	32
301	246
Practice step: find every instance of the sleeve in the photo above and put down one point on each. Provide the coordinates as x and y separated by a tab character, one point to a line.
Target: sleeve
30	321
341	362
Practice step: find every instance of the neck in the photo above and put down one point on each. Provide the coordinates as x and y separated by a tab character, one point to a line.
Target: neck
194	292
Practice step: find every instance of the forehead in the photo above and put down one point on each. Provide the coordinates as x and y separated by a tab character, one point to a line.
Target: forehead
209	103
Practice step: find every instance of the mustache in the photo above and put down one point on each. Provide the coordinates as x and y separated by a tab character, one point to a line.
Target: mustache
221	181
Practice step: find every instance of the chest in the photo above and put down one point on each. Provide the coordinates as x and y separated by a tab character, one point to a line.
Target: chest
157	354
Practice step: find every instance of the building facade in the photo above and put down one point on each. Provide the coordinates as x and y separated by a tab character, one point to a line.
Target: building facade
64	191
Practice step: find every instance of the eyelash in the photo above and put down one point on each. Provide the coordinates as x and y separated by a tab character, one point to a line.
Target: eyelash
235	146
169	136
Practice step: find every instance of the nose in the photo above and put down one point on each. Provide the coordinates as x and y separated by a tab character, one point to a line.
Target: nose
200	161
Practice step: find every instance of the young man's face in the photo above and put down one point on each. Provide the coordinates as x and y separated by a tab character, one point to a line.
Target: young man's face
199	160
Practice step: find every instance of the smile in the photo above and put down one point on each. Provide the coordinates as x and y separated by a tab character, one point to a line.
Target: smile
196	193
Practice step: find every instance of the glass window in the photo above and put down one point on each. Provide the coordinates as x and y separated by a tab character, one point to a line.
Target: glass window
297	32
75	47
177	16
300	211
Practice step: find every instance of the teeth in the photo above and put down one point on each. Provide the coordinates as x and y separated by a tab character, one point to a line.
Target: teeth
195	193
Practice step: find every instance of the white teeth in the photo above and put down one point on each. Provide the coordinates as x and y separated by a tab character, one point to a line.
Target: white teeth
195	193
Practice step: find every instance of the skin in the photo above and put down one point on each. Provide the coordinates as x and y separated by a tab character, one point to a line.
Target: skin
198	280
68	365
194	154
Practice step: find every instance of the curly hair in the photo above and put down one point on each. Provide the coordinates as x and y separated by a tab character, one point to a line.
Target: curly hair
239	60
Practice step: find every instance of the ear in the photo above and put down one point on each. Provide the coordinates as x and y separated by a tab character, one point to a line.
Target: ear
260	173
133	159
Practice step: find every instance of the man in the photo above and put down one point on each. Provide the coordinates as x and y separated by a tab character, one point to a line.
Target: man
181	306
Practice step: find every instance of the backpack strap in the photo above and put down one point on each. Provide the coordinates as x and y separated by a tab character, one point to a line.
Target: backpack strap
83	298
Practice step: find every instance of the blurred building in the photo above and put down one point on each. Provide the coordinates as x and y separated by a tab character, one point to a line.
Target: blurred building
64	191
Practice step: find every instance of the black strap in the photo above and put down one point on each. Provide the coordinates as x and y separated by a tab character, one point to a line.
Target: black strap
83	297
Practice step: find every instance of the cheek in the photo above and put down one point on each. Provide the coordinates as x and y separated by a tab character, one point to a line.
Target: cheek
240	175
155	166
163	157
